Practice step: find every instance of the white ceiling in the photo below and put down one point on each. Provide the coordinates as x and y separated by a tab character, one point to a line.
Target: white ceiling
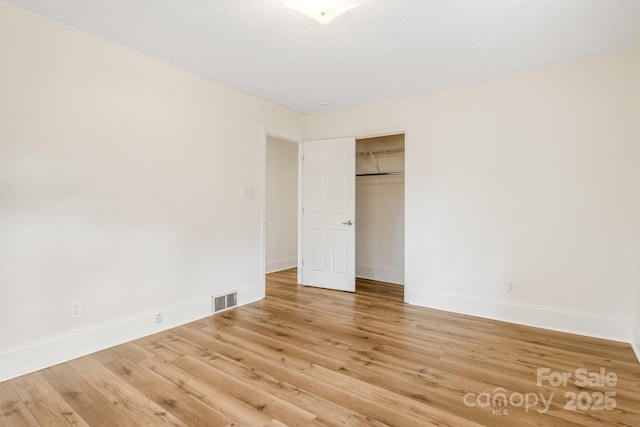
383	49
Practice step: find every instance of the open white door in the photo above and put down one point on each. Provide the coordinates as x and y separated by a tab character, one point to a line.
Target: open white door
328	214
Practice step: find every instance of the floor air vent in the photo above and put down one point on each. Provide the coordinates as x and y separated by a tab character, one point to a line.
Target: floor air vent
224	302
232	300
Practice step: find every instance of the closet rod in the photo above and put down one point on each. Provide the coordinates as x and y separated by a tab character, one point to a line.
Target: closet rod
380	174
390	151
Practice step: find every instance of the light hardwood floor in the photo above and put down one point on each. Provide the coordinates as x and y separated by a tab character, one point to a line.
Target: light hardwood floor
312	357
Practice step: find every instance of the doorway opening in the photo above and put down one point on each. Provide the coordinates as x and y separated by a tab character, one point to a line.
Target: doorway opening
380	187
281	204
379	208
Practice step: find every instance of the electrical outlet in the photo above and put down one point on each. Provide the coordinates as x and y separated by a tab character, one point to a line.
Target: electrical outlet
159	318
512	286
75	309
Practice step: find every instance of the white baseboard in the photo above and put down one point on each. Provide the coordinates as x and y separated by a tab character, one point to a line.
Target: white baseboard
635	344
636	350
281	264
588	324
387	276
65	347
251	294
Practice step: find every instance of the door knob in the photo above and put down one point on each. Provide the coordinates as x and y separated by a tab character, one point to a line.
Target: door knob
348	222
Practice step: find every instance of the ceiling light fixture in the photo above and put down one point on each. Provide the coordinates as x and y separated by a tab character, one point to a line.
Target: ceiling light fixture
323	11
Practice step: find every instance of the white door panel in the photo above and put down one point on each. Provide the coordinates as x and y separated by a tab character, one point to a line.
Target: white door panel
328	231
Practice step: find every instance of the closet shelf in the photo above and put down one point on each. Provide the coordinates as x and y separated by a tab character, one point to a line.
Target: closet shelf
380	173
389	151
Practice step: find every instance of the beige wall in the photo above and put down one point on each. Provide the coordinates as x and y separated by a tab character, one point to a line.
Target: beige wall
532	178
636	339
281	217
122	185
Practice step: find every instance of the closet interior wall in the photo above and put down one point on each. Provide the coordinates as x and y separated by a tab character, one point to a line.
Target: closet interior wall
380	208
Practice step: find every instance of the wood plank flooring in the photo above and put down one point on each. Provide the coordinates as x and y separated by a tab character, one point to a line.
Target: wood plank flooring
312	357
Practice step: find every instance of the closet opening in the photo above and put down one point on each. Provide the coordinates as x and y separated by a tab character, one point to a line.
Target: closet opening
380	208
